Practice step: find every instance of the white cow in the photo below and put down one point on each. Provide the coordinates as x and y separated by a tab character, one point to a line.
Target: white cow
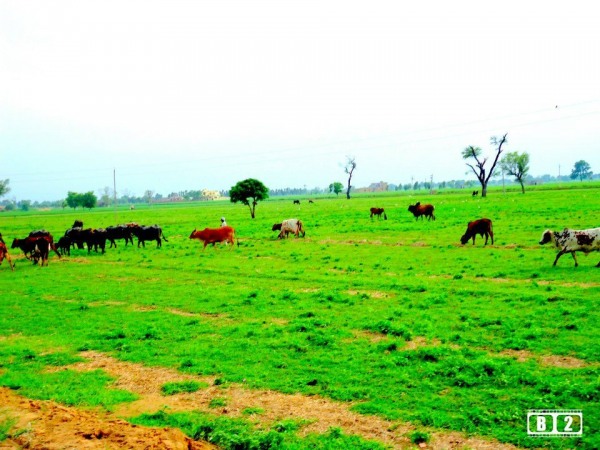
571	241
289	226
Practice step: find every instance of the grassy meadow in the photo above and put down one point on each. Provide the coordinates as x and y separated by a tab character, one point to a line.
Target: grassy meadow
393	316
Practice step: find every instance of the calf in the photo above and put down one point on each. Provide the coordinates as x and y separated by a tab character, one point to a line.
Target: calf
378	212
421	211
64	245
571	241
482	227
4	254
296	202
214	235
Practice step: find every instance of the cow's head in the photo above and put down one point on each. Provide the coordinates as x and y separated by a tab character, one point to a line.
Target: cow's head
193	235
546	237
276	226
464	239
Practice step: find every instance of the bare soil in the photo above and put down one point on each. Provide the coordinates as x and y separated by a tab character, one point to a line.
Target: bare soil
48	425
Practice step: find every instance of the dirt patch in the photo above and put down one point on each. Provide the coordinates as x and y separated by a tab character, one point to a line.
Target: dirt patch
48	425
564	362
372	294
321	414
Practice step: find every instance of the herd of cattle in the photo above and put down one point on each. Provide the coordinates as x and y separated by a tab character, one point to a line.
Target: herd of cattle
38	244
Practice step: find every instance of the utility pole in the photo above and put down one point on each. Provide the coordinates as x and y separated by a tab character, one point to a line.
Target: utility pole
431	185
115	193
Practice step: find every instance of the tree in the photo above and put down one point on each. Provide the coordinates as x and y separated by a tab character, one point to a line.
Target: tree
88	200
4	189
479	166
73	199
336	187
517	165
581	170
349	169
249	192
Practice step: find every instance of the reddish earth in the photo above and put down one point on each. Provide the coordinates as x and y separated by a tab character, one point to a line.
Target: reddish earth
49	425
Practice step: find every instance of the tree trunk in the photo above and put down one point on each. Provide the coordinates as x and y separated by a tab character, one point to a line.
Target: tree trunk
522	186
484	190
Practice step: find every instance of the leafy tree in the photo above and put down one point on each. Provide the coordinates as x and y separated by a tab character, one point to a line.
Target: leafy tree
336	187
4	189
517	165
88	200
73	199
478	167
249	192
349	169
581	170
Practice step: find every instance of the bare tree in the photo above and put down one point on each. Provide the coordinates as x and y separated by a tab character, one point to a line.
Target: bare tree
349	169
478	167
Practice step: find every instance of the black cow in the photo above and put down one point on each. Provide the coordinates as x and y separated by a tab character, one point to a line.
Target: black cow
64	245
151	233
75	234
36	247
119	232
93	238
296	202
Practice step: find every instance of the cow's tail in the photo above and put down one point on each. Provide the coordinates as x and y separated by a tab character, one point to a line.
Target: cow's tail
384	216
163	236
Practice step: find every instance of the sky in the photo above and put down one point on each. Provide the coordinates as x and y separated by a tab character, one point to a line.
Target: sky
177	95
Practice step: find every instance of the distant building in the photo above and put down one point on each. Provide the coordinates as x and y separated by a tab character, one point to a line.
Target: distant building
210	195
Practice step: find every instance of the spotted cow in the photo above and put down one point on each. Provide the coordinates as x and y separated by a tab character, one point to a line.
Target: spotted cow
571	241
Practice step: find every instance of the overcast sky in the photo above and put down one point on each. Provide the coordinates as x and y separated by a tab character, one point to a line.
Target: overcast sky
185	95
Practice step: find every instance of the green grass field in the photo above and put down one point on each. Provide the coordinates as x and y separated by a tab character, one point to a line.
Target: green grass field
394	316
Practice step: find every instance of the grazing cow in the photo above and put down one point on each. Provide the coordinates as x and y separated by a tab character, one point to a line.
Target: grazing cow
419	210
91	237
119	232
571	241
296	202
41	249
151	233
378	212
290	226
36	247
27	245
311	201
475	194
64	245
75	234
213	235
4	254
482	227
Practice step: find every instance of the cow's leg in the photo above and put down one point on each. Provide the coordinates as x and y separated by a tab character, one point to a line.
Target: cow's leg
562	252
158	243
597	265
573	255
486	238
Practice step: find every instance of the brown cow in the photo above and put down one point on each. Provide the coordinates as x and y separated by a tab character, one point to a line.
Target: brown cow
214	235
482	227
419	210
378	212
4	254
